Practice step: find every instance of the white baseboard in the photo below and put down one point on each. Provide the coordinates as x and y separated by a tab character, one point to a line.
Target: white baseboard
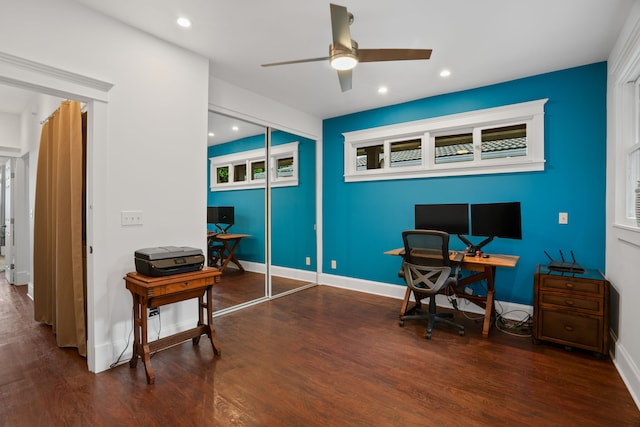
628	370
509	310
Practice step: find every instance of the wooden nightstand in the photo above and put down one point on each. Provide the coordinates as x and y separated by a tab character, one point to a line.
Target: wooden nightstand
572	309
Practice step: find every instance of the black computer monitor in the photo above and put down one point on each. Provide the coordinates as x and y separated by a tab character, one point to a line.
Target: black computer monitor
496	220
220	215
452	218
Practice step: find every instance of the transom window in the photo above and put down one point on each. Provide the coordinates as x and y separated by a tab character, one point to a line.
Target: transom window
247	169
495	140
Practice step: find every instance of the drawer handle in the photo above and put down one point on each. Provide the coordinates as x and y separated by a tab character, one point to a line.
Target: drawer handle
569	302
569	285
185	284
569	328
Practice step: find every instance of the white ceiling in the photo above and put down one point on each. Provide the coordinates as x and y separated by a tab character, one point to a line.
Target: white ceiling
480	42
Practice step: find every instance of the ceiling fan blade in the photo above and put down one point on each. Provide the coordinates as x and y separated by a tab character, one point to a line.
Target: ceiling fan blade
345	79
377	55
340	26
298	61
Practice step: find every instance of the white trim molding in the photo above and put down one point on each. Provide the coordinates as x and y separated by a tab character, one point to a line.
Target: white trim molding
472	123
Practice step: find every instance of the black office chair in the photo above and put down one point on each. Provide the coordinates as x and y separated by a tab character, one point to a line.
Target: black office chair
215	251
427	270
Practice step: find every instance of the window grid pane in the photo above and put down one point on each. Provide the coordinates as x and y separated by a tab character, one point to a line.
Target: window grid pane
222	175
240	173
257	170
454	148
406	153
371	157
506	141
284	167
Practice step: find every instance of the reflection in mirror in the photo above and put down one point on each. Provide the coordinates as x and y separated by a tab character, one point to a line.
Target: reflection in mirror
293	212
236	231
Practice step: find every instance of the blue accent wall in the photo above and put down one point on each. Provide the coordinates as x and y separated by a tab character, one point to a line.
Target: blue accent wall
293	208
363	219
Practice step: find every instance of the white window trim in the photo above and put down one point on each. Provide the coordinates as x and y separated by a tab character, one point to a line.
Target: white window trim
531	113
251	156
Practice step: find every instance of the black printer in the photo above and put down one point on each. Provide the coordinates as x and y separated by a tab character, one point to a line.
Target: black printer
168	260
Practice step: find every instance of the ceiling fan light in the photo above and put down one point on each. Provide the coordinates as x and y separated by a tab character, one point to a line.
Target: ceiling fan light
344	61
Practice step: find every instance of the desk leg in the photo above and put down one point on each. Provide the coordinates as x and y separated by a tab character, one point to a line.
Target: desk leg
490	306
488	312
231	255
405	302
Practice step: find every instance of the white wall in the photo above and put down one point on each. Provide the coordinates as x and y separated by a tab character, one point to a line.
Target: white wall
235	101
149	148
623	238
9	132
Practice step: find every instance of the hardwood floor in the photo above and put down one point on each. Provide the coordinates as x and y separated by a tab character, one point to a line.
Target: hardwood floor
238	287
320	357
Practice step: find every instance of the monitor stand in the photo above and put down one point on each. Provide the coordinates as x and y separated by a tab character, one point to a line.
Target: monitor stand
223	230
471	248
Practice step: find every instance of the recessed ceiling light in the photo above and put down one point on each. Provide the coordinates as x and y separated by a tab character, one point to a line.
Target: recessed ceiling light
184	22
235	128
211	134
383	89
445	73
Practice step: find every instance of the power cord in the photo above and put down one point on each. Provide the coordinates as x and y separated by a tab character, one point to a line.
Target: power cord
519	328
117	362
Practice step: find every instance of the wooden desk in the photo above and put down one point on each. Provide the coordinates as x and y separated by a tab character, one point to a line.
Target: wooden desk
230	242
485	269
151	292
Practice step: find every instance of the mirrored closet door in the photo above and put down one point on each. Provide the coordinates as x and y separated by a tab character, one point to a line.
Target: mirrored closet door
236	209
260	255
293	212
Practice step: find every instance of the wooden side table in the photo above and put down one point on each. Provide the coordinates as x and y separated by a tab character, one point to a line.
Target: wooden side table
152	292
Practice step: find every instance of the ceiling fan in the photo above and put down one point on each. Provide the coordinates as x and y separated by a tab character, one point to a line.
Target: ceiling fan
344	53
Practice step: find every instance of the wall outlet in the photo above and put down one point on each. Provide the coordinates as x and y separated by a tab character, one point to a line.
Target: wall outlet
563	218
333	264
153	311
307	260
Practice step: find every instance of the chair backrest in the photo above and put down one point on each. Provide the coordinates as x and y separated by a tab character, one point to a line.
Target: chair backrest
426	247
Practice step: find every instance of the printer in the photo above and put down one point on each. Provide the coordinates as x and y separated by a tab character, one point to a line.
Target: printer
168	260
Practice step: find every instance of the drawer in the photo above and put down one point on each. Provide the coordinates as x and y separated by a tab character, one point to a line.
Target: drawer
569	301
572	284
566	328
181	286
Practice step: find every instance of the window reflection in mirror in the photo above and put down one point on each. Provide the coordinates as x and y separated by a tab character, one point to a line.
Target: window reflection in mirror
236	286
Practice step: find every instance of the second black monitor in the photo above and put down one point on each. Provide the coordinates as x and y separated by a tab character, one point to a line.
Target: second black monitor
496	220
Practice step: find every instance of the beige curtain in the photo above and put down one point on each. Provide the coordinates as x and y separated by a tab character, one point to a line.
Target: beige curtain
58	262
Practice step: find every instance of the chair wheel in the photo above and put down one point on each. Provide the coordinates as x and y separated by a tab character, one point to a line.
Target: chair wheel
427	335
401	323
461	333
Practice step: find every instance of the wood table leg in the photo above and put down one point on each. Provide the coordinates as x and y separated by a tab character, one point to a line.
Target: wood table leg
211	332
136	330
231	257
405	302
489	309
144	343
488	313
